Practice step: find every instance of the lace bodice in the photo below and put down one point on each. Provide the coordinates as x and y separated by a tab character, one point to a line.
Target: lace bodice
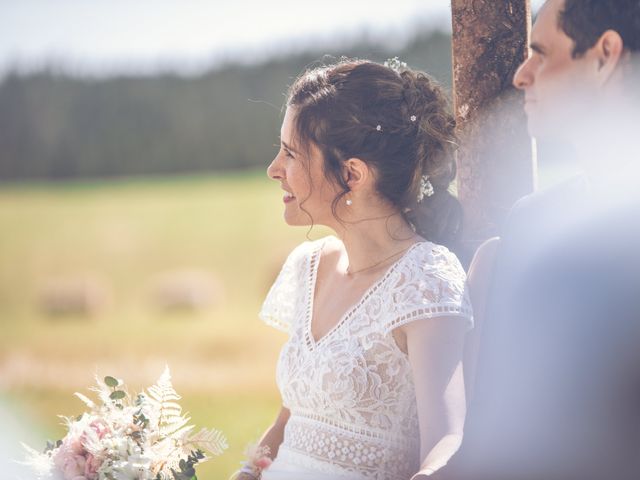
351	393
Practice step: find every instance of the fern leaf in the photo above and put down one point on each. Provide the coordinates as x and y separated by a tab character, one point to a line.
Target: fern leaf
181	434
162	395
168	429
212	441
163	387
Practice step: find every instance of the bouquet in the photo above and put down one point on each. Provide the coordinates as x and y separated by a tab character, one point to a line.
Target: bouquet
127	438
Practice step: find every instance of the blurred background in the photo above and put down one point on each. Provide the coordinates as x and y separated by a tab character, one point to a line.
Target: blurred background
138	227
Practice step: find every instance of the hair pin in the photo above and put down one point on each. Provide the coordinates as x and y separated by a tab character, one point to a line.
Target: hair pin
426	188
395	64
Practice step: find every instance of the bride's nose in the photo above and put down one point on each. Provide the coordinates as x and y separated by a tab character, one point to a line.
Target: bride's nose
274	170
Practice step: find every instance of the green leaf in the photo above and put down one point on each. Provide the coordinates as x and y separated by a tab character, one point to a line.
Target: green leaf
117	395
189	472
111	382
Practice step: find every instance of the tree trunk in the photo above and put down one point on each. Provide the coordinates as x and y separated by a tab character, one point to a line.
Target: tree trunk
495	160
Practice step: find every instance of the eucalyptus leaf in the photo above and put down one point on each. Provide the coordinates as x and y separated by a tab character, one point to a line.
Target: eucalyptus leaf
111	382
117	395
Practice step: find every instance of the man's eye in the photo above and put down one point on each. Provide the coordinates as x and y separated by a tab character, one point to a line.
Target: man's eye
288	153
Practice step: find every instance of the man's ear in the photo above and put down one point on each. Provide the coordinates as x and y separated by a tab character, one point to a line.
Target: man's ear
608	51
355	173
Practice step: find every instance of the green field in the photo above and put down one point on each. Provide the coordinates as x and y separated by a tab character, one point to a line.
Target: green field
126	233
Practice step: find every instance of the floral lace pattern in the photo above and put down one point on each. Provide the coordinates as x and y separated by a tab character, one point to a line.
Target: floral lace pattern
351	393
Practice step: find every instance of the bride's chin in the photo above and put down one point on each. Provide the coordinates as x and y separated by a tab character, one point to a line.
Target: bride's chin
296	222
297	219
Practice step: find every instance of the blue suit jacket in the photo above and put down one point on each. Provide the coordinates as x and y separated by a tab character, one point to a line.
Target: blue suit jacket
557	391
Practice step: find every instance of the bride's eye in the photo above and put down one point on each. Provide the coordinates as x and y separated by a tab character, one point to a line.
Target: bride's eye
287	153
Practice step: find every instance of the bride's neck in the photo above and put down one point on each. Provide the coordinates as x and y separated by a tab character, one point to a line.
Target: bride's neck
370	241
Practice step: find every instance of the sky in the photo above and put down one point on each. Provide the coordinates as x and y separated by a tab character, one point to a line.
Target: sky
106	36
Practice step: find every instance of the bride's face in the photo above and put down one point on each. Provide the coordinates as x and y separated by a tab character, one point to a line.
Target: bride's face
308	194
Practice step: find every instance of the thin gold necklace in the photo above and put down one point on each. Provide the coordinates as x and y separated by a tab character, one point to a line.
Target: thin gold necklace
380	262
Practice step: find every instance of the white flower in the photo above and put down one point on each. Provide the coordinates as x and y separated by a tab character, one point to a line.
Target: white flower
136	467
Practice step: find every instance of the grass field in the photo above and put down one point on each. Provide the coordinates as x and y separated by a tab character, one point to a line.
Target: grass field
125	233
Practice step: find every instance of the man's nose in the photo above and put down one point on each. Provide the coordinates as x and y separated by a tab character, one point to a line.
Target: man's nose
523	78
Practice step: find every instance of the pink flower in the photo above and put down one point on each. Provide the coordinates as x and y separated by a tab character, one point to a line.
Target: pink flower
91	467
70	459
100	427
72	466
72	446
263	463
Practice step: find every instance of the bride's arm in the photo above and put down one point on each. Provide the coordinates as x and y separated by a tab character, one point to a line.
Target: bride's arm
435	350
274	435
272	438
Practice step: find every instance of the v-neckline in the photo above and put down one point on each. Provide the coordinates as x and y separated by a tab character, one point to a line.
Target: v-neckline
311	342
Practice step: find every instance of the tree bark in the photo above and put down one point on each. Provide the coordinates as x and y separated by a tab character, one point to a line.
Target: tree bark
496	164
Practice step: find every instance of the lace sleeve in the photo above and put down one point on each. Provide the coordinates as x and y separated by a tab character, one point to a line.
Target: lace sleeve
433	285
278	309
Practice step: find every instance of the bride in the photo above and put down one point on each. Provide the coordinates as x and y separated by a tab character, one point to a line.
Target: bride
370	377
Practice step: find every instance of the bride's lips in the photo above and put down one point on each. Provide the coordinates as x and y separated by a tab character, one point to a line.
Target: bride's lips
288	197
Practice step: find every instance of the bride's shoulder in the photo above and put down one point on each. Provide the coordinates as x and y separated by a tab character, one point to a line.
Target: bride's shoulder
432	258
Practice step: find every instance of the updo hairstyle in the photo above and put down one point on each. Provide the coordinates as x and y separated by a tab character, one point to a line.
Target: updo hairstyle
396	120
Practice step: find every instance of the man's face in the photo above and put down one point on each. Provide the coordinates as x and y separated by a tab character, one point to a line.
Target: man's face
558	88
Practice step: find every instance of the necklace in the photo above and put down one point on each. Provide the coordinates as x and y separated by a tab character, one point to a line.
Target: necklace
349	272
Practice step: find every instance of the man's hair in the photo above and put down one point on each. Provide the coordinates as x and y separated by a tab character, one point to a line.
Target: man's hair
584	21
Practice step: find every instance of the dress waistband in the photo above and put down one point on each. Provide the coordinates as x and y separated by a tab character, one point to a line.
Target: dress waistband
313	441
367	434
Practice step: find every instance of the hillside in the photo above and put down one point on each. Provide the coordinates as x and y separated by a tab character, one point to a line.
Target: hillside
55	126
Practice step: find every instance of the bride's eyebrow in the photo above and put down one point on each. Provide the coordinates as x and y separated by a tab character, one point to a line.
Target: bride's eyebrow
288	147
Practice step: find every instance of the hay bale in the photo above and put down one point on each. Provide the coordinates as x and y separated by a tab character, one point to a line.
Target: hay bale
187	289
81	295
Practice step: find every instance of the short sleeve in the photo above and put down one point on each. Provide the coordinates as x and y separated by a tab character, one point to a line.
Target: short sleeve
431	284
279	307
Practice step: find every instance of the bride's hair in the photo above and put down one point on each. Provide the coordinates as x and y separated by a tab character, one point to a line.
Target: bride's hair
395	119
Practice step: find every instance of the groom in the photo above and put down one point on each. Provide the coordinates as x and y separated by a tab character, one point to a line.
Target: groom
557	391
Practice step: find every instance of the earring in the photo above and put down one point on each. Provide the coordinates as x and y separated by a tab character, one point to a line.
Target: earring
349	202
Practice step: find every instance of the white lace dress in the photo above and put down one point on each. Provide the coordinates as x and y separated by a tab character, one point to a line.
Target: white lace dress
351	394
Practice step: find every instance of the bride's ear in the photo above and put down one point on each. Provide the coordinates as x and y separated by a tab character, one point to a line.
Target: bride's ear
355	173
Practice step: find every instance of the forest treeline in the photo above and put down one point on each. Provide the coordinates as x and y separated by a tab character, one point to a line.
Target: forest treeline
56	126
